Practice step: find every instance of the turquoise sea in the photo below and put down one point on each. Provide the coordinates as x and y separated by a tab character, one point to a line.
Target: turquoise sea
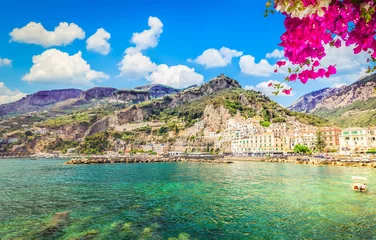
44	199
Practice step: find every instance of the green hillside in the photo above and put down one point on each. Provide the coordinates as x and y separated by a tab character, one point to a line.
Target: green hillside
249	103
360	113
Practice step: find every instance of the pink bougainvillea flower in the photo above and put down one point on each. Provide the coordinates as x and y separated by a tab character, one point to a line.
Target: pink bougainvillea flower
332	70
270	84
311	25
287	91
281	63
293	77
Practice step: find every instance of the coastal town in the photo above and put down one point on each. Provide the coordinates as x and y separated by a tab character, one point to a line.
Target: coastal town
239	137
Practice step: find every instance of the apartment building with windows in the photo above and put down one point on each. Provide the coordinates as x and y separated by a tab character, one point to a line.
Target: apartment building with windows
265	143
331	136
353	140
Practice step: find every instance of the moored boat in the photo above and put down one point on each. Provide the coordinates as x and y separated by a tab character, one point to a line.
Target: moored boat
359	184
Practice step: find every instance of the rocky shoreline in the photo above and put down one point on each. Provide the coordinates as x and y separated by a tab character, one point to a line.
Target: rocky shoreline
149	159
312	161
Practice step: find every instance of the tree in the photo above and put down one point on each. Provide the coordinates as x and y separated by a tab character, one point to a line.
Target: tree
302	149
28	133
320	142
372	151
314	25
95	144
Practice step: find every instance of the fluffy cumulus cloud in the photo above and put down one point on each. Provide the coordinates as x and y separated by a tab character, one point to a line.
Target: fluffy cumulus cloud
179	76
35	33
147	38
136	66
98	42
7	95
56	67
5	62
250	67
275	54
344	58
212	58
267	89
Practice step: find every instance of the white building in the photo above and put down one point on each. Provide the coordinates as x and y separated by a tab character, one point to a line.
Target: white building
353	140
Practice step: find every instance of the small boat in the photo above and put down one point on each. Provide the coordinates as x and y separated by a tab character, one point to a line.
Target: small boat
359	184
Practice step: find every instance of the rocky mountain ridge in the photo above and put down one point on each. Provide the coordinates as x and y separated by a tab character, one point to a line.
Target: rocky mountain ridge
65	99
354	104
137	113
331	98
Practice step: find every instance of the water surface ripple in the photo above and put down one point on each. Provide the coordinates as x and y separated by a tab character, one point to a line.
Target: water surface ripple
44	199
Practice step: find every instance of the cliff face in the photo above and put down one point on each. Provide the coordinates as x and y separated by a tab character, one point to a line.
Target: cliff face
361	90
134	96
138	113
39	101
309	102
98	93
157	90
333	98
216	84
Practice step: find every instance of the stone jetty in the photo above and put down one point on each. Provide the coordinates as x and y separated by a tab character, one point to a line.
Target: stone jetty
315	161
144	159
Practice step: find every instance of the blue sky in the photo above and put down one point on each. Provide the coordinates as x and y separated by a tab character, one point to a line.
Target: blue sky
166	52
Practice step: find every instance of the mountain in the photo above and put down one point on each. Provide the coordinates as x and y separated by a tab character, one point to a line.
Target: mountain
222	94
39	101
345	106
69	99
309	102
178	118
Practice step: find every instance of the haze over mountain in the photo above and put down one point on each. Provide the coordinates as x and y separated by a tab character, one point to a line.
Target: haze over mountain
354	104
64	99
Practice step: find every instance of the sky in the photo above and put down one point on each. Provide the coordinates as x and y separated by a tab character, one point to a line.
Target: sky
123	44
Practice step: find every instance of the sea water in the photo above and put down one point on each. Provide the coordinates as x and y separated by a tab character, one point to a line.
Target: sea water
45	199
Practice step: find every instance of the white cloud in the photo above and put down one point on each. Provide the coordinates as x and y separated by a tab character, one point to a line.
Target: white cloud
275	54
344	58
338	85
56	67
250	67
264	88
7	95
179	76
147	38
98	42
136	66
5	62
212	58
35	33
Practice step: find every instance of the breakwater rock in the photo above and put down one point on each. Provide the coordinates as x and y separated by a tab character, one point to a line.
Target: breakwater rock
147	159
313	161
